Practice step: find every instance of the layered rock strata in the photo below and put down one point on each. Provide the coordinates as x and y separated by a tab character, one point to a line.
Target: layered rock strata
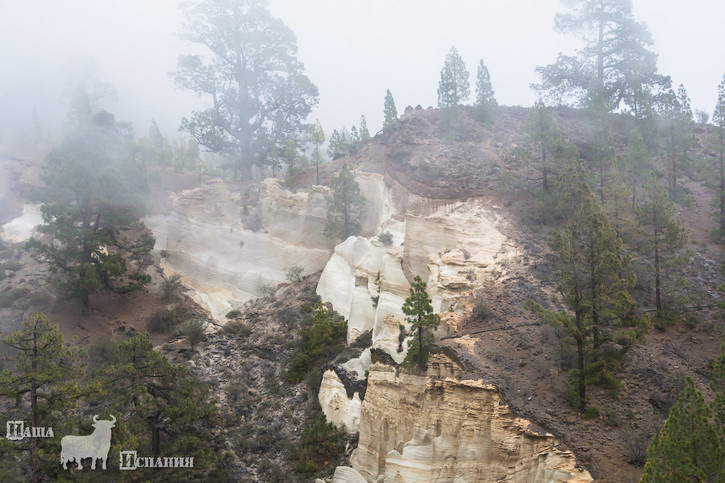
436	427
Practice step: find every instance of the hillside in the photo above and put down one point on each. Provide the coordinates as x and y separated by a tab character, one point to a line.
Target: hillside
460	204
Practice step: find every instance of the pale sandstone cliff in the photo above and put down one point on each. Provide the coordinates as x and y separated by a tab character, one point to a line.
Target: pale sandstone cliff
435	427
208	240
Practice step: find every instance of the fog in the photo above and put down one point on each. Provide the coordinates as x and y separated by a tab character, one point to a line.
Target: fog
353	51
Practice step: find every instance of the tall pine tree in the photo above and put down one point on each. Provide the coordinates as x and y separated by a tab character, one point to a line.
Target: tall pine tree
345	206
676	125
485	99
688	447
419	314
545	133
590	261
638	163
390	113
92	200
615	55
364	132
718	117
43	388
662	234
453	87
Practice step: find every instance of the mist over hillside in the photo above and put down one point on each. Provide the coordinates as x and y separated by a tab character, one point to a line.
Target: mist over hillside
249	240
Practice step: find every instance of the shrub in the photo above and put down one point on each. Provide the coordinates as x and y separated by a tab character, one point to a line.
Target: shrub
294	274
193	330
163	320
321	443
233	314
386	238
237	328
481	311
591	412
12	265
715	235
102	351
636	449
664	319
363	340
7	298
320	342
267	289
691	321
612	418
171	287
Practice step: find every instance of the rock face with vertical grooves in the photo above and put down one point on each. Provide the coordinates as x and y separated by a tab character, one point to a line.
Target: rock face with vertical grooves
435	427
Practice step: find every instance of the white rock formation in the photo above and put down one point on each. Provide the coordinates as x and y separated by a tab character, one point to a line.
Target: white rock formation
452	246
205	241
21	228
435	427
340	410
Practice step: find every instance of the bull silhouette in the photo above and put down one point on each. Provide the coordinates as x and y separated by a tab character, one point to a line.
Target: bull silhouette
95	446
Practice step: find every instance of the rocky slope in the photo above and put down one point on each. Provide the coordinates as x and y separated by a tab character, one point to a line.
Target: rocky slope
437	426
436	194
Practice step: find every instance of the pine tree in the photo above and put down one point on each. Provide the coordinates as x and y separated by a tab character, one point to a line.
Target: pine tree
157	142
419	314
717	384
615	55
345	206
638	162
338	145
93	197
291	158
453	87
162	398
617	203
354	135
718	117
390	113
364	132
601	151
485	98
595	287
247	66
676	124
43	387
544	131
317	136
688	447
662	234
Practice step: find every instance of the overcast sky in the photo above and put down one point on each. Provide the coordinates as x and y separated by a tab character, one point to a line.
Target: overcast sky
352	50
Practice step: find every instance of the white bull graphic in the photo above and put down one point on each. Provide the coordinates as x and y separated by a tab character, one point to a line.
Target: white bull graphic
94	446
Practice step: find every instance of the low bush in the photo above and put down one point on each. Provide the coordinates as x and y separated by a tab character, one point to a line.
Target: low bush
321	341
233	314
294	274
612	418
163	320
386	238
171	287
193	330
481	311
102	351
237	328
591	412
664	319
8	297
321	445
